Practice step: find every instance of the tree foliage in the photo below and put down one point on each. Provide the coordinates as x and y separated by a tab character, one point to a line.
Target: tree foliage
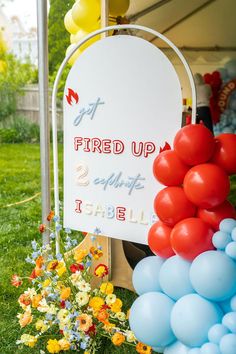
58	37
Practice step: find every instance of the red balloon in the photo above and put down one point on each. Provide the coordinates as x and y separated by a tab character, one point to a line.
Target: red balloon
190	237
206	185
194	144
159	240
214	216
225	152
169	169
171	205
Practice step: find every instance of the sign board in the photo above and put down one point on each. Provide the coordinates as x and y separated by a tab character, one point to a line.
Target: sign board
122	102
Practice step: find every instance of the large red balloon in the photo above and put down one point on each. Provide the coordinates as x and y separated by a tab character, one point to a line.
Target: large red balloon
206	185
225	152
190	237
171	205
169	169
214	216
159	240
194	144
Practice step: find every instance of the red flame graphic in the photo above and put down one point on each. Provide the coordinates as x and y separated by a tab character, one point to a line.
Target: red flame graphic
166	147
72	95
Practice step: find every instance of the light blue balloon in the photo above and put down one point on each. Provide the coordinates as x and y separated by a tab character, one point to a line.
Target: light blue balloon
192	317
227	225
174	277
229	321
146	275
213	275
210	348
176	348
233	234
195	351
230	66
216	332
158	349
150	319
225	305
230	250
228	344
233	303
221	239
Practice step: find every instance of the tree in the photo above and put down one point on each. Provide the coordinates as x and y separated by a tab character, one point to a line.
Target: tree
58	37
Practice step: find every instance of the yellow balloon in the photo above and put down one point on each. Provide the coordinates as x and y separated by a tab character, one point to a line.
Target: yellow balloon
118	7
81	34
74	56
85	13
70	26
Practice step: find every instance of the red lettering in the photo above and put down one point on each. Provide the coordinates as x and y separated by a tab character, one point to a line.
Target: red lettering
149	148
86	148
77	142
78	206
120	213
106	146
137	152
118	147
96	145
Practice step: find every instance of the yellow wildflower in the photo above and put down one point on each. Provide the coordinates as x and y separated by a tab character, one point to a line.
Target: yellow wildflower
36	300
143	348
118	339
52	265
65	293
121	316
96	253
28	340
25	318
116	306
107	288
61	268
79	255
46	283
53	346
96	303
64	344
85	322
41	326
110	299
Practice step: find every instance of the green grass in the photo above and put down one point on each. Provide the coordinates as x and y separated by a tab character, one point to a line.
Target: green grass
19	180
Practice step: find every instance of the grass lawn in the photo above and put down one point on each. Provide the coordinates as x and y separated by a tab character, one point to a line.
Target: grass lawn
19	180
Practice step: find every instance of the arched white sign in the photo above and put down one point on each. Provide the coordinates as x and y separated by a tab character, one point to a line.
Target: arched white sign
122	102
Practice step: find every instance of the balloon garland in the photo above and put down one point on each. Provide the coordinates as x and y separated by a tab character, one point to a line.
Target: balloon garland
85	16
187	291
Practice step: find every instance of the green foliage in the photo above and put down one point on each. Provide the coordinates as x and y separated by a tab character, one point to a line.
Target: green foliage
20	130
58	37
12	79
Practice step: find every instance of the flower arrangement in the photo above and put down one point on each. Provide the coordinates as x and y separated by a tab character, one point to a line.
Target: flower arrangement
62	310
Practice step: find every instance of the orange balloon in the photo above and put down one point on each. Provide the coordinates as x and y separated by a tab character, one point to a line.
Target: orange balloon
190	237
206	185
159	240
214	216
225	152
171	205
194	144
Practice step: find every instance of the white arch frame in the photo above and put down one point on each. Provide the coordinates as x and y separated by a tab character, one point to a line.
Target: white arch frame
55	88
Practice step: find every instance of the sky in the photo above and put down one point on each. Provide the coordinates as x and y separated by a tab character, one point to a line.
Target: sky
24	9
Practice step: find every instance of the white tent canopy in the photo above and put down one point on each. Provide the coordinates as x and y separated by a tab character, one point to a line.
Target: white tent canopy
205	30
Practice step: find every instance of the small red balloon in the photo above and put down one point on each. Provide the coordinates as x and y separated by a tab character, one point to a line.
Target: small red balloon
171	205
206	185
225	152
169	169
190	237
159	240
214	216
194	144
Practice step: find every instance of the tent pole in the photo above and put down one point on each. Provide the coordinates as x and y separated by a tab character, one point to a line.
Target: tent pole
43	112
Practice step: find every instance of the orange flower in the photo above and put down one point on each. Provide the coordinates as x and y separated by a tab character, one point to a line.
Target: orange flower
116	306
143	348
50	215
118	339
16	280
79	255
65	293
101	271
102	316
42	228
36	300
25	318
85	322
36	272
96	253
24	300
39	262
